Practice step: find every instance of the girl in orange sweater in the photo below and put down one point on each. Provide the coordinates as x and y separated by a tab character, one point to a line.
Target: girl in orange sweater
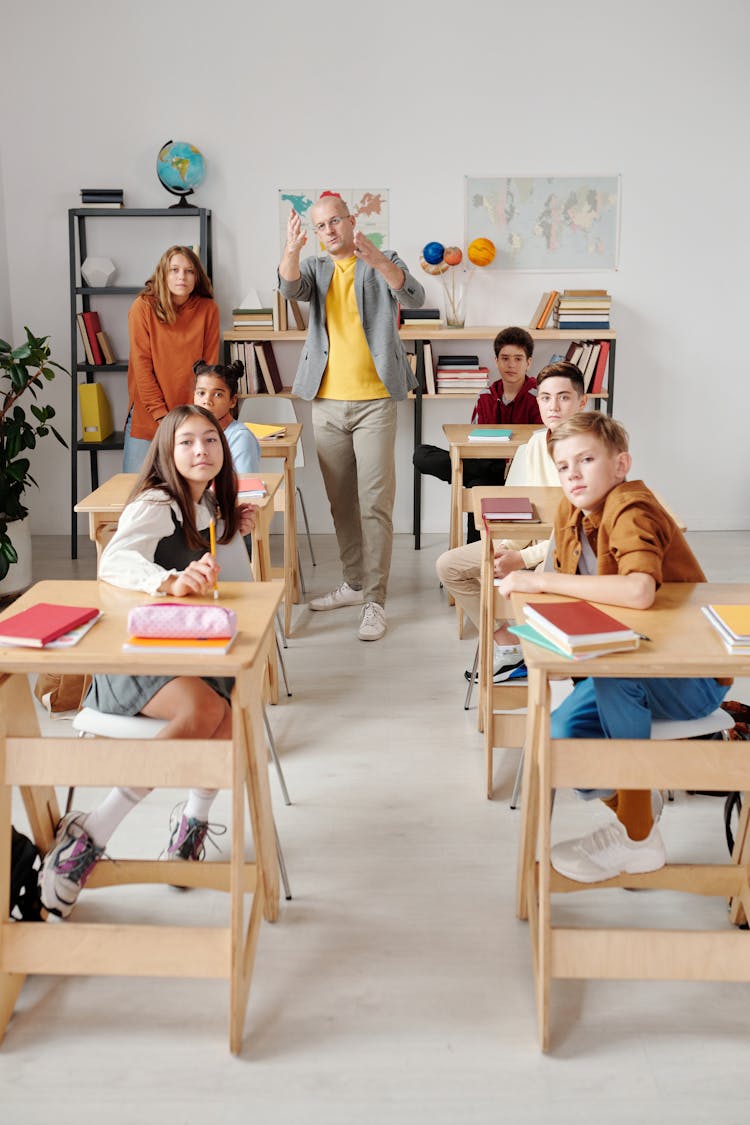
172	323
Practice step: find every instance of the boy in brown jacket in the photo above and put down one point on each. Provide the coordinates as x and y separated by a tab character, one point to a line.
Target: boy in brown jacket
613	542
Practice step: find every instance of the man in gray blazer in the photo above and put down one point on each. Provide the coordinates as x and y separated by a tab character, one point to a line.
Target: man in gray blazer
354	369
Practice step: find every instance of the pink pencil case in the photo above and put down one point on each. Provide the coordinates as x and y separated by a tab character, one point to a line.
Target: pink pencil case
172	619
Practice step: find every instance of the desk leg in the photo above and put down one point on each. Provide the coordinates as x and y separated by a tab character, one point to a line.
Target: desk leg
10	983
259	793
456	516
40	801
243	943
530	796
291	573
543	931
262	573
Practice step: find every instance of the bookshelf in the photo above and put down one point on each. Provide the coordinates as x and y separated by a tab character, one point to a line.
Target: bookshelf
418	336
81	296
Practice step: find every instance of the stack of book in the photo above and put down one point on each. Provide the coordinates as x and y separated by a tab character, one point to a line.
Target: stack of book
575	629
732	623
46	624
250	488
252	318
96	345
102	197
459	374
592	360
586	309
501	509
420	318
490	433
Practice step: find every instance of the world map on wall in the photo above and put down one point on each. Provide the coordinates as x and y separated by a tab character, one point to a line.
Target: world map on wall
369	207
546	222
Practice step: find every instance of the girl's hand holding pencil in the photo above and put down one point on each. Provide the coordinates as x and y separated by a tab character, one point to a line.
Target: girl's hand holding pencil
198	577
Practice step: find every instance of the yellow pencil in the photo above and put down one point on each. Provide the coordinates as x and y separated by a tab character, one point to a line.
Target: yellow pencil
212	539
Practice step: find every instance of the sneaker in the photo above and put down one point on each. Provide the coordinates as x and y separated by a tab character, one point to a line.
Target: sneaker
372	625
188	836
341	596
608	851
67	865
508	668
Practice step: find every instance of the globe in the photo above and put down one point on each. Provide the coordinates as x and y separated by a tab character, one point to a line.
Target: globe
181	168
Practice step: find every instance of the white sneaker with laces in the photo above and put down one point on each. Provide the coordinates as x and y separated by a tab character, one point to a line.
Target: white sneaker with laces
372	626
341	596
606	852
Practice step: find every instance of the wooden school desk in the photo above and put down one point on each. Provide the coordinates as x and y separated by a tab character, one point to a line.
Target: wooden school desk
502	729
682	643
461	449
104	507
37	764
285	448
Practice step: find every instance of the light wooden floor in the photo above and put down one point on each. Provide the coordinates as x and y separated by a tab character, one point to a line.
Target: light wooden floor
396	987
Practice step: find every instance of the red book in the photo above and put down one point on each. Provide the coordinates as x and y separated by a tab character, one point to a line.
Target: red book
93	325
601	368
250	486
41	623
578	625
507	508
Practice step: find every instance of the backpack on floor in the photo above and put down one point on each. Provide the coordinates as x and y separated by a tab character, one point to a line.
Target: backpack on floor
25	903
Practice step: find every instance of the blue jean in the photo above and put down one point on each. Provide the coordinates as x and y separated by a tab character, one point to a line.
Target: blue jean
134	453
603	708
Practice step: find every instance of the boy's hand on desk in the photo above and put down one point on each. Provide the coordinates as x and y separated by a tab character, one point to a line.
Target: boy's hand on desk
199	577
247	518
521	582
507	561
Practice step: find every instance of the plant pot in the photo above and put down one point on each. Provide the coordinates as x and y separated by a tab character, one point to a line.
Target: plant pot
19	575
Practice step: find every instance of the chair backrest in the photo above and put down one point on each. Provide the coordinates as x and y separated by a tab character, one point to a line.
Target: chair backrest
234	561
271	408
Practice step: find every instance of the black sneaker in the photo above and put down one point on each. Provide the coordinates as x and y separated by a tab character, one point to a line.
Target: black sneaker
511	668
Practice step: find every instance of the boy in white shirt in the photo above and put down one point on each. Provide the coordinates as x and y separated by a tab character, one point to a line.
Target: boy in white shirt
559	394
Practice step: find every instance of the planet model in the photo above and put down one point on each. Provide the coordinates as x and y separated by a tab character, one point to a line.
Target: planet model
481	251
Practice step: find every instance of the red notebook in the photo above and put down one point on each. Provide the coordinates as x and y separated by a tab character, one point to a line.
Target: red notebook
250	486
41	623
507	508
577	625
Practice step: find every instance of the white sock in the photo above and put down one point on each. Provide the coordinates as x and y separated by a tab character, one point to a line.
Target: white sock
102	822
198	804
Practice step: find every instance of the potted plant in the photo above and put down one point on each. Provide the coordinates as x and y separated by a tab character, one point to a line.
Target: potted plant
24	369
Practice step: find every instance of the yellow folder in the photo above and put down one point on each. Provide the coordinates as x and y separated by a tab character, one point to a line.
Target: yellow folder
96	415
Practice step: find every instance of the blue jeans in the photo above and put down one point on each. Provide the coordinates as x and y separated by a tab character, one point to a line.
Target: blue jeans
603	708
134	453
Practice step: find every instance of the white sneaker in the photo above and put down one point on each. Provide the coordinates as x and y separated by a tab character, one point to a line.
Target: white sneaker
372	626
606	852
341	596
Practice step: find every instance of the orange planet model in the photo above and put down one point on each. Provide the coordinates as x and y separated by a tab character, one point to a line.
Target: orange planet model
452	255
481	251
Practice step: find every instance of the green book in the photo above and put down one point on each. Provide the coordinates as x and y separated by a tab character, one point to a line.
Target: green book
485	433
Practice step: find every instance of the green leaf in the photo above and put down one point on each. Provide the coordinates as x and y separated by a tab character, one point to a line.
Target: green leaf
59	437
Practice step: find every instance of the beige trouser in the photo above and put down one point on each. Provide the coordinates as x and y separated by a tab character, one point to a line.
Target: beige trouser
356	443
460	571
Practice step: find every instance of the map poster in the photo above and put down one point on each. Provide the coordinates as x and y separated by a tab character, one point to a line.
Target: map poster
546	222
368	205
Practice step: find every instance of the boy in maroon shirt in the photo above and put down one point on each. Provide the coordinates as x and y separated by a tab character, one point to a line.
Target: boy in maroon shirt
510	399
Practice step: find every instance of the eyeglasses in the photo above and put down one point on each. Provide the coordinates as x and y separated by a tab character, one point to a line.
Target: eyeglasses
321	228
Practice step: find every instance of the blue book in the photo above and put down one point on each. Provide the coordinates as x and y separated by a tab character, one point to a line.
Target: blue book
489	433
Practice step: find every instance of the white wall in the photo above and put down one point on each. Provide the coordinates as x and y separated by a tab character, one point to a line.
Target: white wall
413	97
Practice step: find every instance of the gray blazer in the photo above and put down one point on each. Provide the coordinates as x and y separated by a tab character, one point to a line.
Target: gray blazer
376	302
